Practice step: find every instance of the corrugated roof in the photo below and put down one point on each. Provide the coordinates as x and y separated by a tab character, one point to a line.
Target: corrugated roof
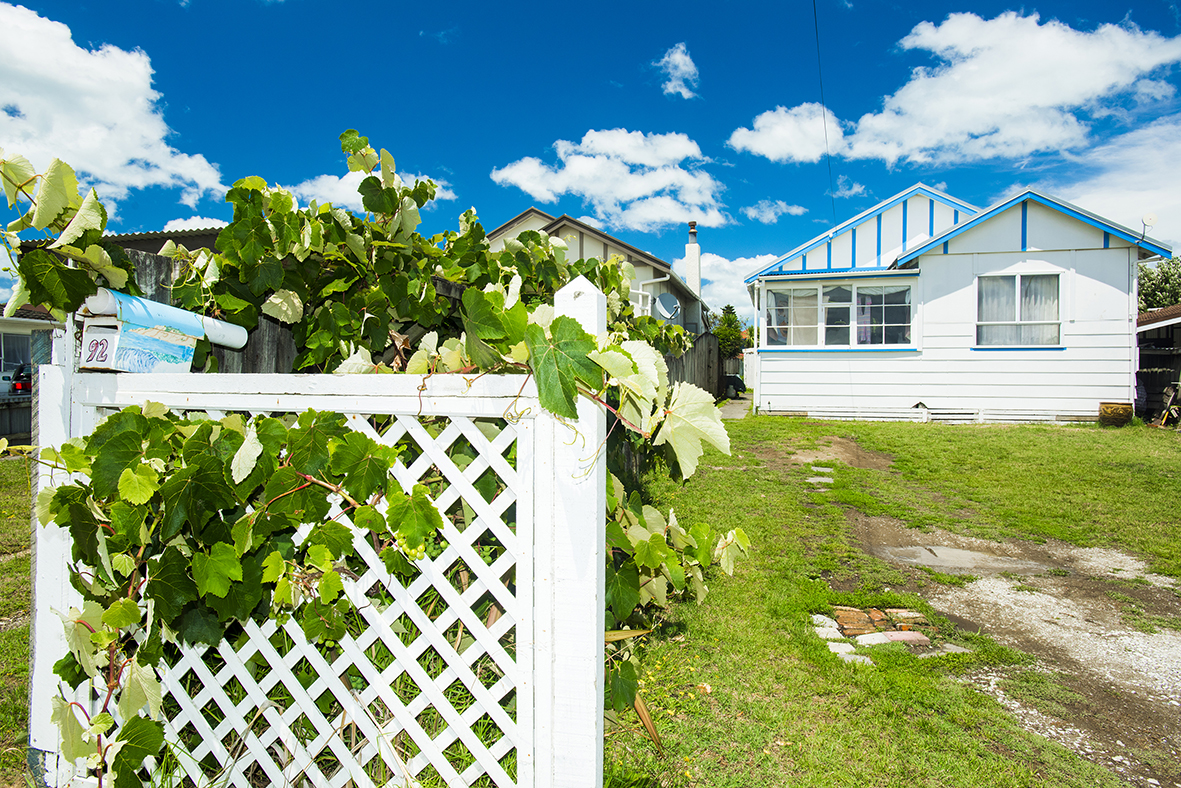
163	234
31	312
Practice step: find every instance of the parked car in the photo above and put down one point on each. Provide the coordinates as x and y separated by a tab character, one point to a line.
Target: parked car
22	380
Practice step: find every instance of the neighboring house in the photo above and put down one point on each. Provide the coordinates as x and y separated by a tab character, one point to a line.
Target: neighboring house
925	307
654	277
26	337
1158	334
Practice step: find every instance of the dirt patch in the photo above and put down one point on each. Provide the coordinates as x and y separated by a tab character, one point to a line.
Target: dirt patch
1070	607
831	449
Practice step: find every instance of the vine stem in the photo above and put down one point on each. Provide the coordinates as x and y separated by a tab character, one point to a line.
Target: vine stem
328	486
614	412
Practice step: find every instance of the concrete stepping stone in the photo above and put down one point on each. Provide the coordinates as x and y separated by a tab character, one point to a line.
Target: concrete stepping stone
856	659
874	638
909	638
823	621
841	648
820	469
829	633
819	480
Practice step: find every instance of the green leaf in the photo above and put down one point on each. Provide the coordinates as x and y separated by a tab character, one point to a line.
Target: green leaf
121	452
140	688
68	670
692	418
78	625
364	463
414	518
308	440
192	494
122	613
58	191
199	625
351	141
330	586
15	171
675	574
334	536
139	484
285	306
246	457
652	552
51	282
369	518
323	621
142	738
623	682
320	557
560	362
273	567
480	315
623	590
242	598
376	198
170	584
65	717
91	215
74	457
214	572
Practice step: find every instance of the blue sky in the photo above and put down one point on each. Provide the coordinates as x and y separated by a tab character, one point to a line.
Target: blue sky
636	117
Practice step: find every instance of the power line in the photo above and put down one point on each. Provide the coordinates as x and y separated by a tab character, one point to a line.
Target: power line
824	113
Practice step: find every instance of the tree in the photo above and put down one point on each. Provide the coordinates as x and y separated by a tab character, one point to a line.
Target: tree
729	333
1160	285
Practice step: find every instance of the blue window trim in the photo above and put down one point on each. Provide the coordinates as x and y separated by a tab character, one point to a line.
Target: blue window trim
857	349
1023	348
931	222
1025	226
879	237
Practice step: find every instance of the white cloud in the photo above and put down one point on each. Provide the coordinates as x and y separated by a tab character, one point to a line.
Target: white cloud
194	223
94	109
796	134
631	180
769	211
847	188
1121	179
341	190
722	280
1008	87
679	70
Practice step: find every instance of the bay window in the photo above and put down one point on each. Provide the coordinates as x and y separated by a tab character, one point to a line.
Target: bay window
839	315
1020	309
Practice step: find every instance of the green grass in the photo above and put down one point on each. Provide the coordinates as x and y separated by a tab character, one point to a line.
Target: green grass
15	597
781	709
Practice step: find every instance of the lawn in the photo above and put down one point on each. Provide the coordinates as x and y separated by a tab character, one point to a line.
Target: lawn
746	695
742	691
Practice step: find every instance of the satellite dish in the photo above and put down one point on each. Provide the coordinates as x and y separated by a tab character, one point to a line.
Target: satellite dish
667	306
1149	219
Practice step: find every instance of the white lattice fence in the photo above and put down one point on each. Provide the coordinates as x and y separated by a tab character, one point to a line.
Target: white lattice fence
484	669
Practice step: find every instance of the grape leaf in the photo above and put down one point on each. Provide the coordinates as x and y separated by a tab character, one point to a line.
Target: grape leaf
198	624
116	455
363	462
139	484
334	536
559	362
91	215
141	738
73	746
240	601
414	517
623	590
652	552
308	440
330	586
284	305
690	419
480	315
170	584
247	456
192	495
58	191
140	688
122	613
214	571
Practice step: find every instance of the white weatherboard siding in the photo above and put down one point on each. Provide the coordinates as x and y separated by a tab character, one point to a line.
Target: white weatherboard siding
945	374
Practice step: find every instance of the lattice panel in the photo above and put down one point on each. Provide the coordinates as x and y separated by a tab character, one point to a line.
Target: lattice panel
426	689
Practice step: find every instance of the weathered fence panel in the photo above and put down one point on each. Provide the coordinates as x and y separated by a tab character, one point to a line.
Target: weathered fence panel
436	685
700	365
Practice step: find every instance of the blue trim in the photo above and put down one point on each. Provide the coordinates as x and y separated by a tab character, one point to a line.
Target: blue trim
1049	202
931	230
858	349
955	217
916	190
1106	240
905	205
879	237
1025	226
843	273
1022	348
945	247
830	254
853	252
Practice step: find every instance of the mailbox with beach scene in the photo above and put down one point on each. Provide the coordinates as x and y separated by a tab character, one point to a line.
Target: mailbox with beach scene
129	334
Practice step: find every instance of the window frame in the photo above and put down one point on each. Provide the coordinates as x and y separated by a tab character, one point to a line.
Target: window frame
1018	322
772	310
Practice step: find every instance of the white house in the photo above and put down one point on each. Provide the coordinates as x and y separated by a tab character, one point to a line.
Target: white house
655	283
927	308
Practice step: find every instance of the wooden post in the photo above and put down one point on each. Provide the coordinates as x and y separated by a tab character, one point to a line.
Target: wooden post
569	580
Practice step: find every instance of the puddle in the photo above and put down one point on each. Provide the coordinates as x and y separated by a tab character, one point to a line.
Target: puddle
956	561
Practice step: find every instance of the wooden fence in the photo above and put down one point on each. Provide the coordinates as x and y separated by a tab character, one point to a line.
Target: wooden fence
515	702
700	365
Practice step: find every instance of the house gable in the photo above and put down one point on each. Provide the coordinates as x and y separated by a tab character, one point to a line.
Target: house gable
874	239
1028	222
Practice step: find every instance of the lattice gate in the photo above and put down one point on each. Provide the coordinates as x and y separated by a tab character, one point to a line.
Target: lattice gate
485	669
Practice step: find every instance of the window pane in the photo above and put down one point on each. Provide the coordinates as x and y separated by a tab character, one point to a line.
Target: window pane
1039	298
996	299
1039	334
841	294
15	350
897	335
836	335
803	336
998	335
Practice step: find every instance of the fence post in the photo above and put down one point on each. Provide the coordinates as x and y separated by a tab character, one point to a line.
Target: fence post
569	582
51	588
